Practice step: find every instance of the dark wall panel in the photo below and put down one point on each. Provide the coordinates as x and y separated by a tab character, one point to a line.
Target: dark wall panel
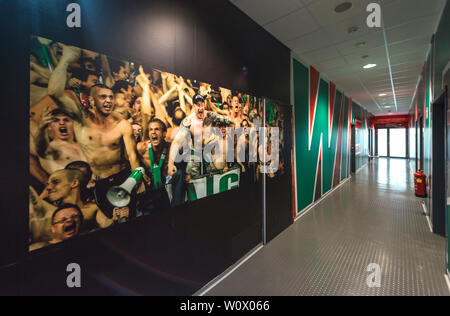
14	127
279	190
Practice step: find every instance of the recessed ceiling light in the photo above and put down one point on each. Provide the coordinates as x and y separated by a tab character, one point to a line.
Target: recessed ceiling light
352	29
382	94
344	6
369	66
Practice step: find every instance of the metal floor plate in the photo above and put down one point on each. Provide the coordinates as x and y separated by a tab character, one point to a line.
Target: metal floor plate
373	218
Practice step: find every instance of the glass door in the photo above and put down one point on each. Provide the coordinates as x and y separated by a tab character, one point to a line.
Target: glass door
382	142
397	142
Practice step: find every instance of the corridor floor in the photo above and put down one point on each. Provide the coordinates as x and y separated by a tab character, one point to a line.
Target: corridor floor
373	218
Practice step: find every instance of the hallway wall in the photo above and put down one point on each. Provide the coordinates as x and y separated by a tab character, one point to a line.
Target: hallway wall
323	117
429	88
441	53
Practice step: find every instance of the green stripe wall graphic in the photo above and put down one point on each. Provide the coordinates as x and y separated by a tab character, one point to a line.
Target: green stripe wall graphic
322	130
330	150
345	130
360	118
307	149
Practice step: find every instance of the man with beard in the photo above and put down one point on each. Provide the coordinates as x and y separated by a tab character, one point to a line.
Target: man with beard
153	153
107	142
54	146
192	127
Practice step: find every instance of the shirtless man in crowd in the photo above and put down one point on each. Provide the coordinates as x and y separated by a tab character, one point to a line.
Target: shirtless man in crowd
217	159
236	110
64	223
54	145
106	139
64	186
107	142
193	125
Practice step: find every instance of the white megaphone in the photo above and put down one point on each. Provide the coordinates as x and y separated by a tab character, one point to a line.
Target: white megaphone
120	196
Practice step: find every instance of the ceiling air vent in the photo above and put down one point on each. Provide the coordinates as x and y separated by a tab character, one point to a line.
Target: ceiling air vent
344	6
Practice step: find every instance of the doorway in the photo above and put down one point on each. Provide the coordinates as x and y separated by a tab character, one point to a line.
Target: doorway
392	142
439	165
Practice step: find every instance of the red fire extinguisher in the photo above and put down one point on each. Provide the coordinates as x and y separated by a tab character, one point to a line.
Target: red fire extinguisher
420	184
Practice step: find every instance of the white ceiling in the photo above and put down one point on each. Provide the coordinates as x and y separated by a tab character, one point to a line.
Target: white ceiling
318	36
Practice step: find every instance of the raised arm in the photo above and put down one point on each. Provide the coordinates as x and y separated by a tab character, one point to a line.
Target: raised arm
38	207
106	71
221	118
58	79
68	105
168	95
102	220
189	99
188	85
130	148
144	82
160	111
164	76
41	141
130	144
181	98
216	109
44	72
36	169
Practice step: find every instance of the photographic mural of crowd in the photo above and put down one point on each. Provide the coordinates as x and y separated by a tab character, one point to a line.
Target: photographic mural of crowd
95	119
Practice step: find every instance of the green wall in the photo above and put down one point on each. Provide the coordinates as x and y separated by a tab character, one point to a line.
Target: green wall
322	130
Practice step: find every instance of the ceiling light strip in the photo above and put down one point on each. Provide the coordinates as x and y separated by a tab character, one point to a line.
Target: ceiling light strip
389	63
